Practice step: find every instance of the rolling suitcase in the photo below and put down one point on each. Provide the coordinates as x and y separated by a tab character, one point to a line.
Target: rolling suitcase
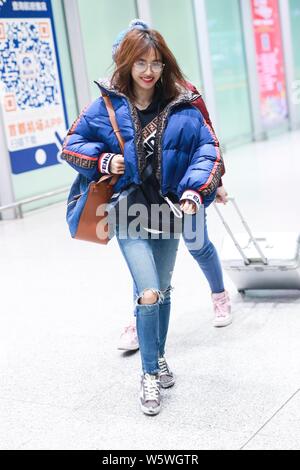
260	261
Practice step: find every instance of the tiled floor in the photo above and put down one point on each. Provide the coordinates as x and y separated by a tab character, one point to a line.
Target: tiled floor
63	383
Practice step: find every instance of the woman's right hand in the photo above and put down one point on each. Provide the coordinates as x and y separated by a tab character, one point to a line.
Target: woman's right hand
222	195
117	165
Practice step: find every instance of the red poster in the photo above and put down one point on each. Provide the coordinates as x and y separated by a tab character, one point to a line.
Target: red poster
269	60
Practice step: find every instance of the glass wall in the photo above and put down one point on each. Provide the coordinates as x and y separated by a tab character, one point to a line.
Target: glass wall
174	19
101	22
229	70
49	178
295	22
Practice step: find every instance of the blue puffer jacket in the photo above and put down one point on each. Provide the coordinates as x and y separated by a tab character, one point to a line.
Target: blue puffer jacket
187	156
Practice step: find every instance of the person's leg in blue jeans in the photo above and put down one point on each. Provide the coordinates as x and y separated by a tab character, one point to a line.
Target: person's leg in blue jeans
151	263
205	254
164	253
164	311
165	271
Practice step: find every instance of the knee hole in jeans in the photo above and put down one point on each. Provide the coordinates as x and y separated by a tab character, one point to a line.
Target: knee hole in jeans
149	297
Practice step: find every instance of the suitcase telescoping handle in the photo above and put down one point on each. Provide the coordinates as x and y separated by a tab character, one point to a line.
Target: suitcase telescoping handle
238	246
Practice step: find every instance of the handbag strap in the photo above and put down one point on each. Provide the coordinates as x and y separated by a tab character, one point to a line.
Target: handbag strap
113	121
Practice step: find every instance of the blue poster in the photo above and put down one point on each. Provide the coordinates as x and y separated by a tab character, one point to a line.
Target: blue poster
31	91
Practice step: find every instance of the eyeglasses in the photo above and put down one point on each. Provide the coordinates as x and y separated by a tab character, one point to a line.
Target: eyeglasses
142	66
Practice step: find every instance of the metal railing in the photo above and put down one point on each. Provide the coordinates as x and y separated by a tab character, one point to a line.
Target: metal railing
18	205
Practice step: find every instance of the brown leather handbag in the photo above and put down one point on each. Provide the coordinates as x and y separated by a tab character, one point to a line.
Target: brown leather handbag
93	223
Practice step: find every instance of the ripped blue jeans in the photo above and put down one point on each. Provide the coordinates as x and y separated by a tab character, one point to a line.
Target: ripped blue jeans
206	257
151	264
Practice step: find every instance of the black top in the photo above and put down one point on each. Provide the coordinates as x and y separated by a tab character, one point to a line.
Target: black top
148	192
150	186
155	107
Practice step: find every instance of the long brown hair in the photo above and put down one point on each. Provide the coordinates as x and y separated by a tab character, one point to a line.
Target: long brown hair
134	45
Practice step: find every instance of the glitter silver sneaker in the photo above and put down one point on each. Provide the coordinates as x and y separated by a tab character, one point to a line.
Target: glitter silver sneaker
166	377
150	394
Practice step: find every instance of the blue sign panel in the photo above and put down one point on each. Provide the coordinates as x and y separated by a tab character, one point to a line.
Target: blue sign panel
31	92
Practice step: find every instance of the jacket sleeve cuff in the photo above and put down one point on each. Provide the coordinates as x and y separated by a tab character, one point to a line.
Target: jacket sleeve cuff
221	183
193	196
104	163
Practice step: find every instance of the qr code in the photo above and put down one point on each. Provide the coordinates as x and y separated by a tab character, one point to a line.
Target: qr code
28	63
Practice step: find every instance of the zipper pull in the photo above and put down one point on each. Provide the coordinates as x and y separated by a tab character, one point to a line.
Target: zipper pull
177	212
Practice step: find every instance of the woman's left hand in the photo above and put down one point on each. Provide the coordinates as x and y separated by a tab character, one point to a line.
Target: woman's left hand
188	207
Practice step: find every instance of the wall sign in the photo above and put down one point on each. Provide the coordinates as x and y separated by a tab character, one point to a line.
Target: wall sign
31	91
270	62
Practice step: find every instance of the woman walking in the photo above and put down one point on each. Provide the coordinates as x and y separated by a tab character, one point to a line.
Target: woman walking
171	157
206	257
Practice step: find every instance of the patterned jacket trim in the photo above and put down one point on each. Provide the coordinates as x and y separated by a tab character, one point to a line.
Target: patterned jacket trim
79	160
216	173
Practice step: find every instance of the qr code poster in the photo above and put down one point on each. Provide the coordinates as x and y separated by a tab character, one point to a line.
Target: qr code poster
30	89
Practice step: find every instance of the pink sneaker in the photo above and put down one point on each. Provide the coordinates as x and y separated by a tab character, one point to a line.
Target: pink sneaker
128	339
222	309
